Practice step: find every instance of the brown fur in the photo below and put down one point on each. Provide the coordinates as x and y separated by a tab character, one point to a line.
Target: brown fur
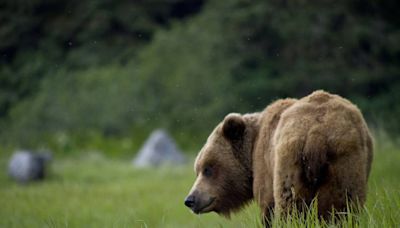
292	152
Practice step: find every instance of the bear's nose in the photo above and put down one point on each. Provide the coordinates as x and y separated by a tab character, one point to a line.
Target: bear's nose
190	201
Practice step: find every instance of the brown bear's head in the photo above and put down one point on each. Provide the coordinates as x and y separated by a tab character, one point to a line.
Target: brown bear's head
223	167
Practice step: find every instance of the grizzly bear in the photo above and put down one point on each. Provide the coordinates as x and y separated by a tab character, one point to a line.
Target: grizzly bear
318	147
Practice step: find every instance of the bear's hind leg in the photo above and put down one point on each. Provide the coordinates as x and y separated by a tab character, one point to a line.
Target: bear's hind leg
346	186
289	190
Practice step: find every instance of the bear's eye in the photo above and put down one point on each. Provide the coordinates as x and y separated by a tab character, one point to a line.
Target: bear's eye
207	172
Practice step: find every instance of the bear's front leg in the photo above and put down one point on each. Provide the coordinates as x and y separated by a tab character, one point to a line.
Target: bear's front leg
267	214
263	189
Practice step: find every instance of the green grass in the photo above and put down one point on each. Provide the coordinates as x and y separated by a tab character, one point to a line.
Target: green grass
93	191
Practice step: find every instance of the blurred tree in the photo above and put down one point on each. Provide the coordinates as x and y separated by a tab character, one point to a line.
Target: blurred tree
265	50
109	66
44	35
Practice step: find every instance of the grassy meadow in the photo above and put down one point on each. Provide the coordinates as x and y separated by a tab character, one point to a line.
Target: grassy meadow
100	75
95	191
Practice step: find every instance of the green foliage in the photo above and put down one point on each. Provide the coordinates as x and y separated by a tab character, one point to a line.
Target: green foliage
270	50
43	36
246	54
127	66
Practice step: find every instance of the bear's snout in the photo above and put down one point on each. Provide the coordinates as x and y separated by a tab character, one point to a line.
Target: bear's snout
190	201
199	202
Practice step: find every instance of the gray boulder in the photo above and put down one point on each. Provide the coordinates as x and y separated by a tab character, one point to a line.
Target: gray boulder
159	149
25	166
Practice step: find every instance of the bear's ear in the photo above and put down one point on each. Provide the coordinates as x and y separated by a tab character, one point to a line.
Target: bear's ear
233	127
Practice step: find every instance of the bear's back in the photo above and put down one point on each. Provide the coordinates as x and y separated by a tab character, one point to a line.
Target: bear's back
322	104
328	125
325	114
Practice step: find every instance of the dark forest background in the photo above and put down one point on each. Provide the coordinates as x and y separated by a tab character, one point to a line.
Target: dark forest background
82	75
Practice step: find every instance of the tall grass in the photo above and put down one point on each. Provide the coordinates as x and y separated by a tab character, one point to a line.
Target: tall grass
95	191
